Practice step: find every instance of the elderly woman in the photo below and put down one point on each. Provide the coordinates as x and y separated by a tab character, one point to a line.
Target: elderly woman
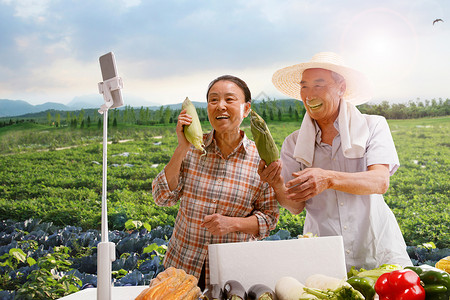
222	198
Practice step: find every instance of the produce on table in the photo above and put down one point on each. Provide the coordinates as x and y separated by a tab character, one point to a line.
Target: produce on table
265	144
208	296
365	285
400	285
171	284
211	292
444	264
436	282
306	235
233	290
324	282
193	132
260	292
373	273
341	293
322	287
364	280
289	288
327	287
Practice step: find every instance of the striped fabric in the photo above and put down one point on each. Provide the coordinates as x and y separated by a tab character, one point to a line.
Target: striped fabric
212	184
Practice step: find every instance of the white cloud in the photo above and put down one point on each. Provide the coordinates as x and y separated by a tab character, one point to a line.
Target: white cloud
131	3
287	11
167	50
59	81
35	9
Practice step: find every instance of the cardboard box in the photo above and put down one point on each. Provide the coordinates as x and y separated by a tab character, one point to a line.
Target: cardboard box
267	261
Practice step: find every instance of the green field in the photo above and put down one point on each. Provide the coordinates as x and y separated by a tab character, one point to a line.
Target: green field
55	174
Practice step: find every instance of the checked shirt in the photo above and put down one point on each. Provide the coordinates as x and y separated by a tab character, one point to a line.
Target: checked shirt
210	184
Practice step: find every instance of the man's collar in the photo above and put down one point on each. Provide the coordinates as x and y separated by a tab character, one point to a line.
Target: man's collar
319	131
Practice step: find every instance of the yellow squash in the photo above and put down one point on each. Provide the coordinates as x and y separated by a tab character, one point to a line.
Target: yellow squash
444	264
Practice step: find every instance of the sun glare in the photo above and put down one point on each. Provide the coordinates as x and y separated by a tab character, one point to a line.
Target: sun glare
379	45
382	43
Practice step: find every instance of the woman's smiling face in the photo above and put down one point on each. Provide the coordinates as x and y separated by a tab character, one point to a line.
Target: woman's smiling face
226	106
321	94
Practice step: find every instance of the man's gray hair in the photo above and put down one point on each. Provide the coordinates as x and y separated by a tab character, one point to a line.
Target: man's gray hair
338	78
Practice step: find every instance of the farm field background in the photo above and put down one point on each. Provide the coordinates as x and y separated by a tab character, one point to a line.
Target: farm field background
55	174
50	201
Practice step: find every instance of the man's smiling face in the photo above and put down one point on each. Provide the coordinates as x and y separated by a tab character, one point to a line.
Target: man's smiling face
321	94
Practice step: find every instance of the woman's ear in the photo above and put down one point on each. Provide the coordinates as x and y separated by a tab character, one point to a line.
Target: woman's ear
247	108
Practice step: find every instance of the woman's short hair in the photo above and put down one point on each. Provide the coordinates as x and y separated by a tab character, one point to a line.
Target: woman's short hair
239	82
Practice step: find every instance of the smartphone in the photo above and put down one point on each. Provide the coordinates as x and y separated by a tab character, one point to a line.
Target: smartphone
109	70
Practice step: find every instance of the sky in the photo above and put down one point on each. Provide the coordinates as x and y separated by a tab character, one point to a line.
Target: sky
168	50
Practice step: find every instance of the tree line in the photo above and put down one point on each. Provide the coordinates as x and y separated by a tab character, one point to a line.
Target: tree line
411	110
268	109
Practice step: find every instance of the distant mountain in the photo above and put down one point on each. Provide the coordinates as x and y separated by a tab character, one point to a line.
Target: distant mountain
178	105
91	101
50	105
16	108
96	100
13	108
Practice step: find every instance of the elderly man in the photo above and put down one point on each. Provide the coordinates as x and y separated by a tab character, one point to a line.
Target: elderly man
338	164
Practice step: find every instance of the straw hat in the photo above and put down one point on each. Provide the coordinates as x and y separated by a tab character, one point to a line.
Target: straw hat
358	90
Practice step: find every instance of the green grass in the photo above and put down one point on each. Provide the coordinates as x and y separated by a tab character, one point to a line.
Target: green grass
420	190
64	186
8	130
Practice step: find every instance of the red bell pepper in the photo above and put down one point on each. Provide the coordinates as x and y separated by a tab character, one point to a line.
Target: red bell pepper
400	285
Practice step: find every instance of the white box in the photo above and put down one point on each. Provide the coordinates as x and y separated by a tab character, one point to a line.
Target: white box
117	293
267	261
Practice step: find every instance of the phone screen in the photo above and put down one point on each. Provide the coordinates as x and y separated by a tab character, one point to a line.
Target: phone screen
109	70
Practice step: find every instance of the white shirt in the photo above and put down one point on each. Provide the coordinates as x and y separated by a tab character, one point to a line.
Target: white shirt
369	229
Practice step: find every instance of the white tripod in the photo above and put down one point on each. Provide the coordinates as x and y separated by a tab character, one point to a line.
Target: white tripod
106	251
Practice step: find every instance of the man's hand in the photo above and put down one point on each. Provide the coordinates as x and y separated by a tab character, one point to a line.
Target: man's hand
307	184
271	173
218	224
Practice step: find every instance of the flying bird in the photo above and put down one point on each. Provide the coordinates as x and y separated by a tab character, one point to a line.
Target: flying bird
438	20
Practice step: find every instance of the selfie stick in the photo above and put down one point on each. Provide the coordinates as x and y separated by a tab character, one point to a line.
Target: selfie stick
106	251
